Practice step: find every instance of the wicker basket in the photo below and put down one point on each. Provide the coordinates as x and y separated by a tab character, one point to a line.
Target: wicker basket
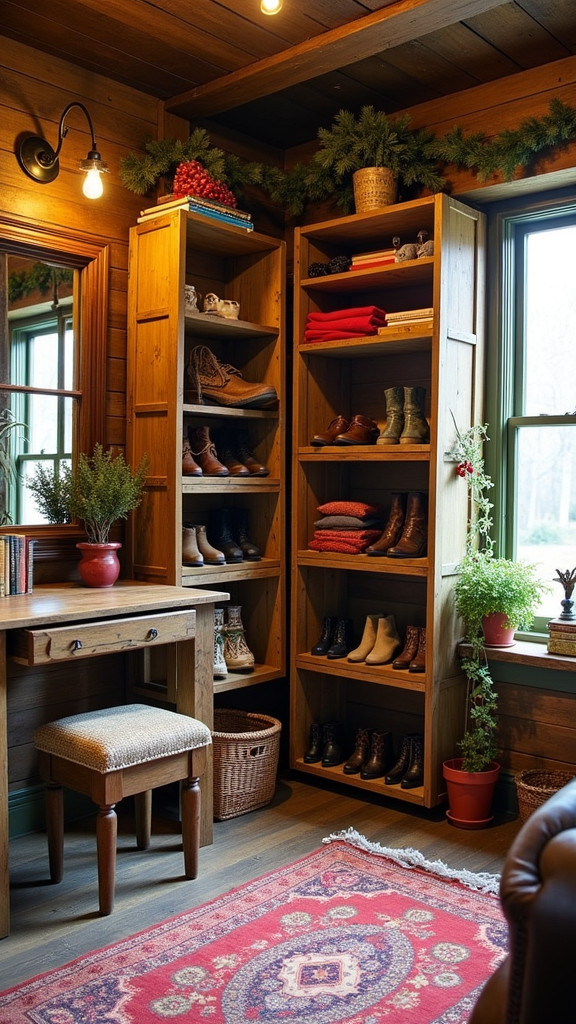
536	786
374	187
246	749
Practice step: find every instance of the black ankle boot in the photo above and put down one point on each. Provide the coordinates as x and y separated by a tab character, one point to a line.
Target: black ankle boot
402	764
343	640
361	752
221	536
326	636
315	744
415	774
333	752
250	552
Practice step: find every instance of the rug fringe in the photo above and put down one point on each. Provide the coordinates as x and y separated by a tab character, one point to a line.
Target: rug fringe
409	858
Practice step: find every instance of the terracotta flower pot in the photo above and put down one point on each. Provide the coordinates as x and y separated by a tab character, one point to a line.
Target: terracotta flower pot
495	634
470	794
99	565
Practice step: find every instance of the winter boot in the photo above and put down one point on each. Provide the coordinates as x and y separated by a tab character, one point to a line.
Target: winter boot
387	642
415	774
215	382
326	637
250	552
412	543
237	654
211	556
243	449
220	668
393	529
189	466
333	752
315	744
190	552
220	530
343	640
416	429
228	456
361	752
380	756
368	639
410	648
394	416
394	776
418	663
204	452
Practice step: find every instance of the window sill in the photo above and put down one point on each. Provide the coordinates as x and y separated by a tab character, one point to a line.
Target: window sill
527	653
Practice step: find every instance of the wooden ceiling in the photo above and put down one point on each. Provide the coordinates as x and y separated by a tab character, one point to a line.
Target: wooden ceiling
278	78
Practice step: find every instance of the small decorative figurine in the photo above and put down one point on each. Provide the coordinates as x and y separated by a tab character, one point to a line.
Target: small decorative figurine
227	308
425	244
190	299
568	580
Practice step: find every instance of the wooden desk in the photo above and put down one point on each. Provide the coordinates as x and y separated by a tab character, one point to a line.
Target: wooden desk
115	619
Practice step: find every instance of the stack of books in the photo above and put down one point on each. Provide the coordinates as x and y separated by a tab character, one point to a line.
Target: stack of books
197	204
562	637
366	260
16	564
407	316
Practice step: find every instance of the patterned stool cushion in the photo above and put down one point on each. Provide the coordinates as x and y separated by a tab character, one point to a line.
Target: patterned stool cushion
116	738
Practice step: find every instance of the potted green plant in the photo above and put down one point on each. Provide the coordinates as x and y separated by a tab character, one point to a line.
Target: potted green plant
8	425
99	490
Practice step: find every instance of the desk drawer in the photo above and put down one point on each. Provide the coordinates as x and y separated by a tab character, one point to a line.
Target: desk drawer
87	639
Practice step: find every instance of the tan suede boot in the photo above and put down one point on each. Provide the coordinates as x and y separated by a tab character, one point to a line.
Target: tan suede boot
190	552
368	639
387	642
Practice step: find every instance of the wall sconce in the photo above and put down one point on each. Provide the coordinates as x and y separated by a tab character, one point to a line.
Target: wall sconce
40	162
270	6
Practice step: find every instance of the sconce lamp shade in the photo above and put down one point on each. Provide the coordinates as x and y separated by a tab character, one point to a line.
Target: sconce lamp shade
41	162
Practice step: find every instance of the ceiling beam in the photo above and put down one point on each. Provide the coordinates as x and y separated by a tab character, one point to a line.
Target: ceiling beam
403	21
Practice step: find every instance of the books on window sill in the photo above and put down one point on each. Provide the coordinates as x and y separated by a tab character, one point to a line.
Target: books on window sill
198	204
562	637
16	564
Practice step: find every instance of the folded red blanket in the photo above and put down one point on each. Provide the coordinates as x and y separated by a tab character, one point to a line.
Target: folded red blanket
339	314
350	536
338	545
317	338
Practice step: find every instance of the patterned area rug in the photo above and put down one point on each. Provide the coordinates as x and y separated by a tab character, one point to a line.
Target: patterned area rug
354	933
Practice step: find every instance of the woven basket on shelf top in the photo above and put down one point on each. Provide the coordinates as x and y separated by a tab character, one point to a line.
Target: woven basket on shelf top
246	750
374	187
535	786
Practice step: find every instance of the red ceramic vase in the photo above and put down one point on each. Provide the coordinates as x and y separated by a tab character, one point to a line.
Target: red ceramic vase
99	565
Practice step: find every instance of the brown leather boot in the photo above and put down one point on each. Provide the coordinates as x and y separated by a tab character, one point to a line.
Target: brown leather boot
387	642
250	551
418	663
337	426
415	774
243	449
361	430
213	381
412	543
394	416
189	467
410	648
361	752
393	529
204	452
190	553
416	429
396	773
228	456
380	756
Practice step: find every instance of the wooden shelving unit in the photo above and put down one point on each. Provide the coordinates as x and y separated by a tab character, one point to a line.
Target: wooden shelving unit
166	252
445	356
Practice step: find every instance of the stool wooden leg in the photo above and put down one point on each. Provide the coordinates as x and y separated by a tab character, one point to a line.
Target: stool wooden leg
190	812
143	816
106	833
54	804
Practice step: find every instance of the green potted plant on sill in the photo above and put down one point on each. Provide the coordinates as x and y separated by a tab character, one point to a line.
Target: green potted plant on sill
8	426
101	489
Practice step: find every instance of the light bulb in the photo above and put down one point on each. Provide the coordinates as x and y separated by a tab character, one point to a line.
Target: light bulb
270	6
93	187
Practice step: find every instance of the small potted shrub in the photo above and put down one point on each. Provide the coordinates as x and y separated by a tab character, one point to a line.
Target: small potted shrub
100	489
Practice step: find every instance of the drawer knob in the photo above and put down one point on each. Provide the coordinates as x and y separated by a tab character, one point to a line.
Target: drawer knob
76	645
152	633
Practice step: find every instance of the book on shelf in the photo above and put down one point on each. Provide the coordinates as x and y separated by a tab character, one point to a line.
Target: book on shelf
381	261
563	626
411	314
377	254
16	564
567	647
194	202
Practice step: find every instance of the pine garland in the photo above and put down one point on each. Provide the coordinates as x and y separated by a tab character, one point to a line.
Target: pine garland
40	277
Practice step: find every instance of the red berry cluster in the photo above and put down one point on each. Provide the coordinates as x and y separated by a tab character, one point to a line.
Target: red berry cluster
192	179
464	467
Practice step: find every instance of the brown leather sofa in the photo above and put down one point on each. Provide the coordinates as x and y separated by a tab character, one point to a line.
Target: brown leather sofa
536	984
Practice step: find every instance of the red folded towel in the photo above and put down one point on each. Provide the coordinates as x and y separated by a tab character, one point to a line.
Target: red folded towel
339	314
337	545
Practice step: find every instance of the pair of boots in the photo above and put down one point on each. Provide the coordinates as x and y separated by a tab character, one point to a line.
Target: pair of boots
340	431
196	548
213	382
409	768
231	651
325	744
406	532
413	655
372	754
199	455
405	419
336	638
229	533
236	454
379	642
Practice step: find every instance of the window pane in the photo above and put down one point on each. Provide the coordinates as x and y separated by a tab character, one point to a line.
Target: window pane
550	315
546	504
43	371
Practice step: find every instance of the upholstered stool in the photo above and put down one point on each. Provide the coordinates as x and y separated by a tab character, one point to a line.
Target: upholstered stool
118	752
